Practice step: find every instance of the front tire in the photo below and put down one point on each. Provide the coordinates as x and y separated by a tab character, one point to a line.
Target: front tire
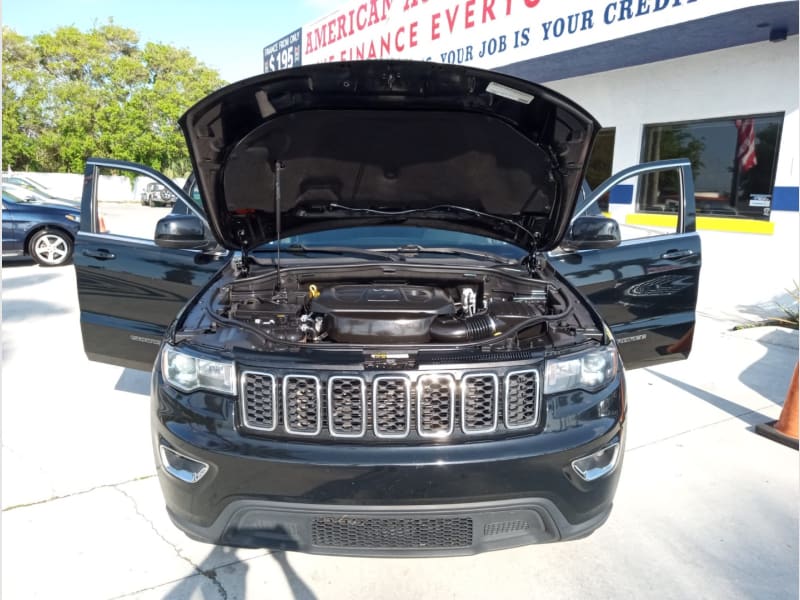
50	248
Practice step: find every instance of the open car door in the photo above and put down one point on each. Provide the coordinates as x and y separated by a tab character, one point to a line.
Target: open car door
646	287
130	289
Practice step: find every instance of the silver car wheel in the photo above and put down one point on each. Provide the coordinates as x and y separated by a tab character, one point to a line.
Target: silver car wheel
51	249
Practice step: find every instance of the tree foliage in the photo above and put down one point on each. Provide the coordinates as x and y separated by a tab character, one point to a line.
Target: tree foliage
70	94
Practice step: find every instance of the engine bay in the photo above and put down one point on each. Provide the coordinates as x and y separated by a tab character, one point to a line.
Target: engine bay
397	307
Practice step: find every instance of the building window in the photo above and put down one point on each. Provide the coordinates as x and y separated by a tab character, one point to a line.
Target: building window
733	163
600	161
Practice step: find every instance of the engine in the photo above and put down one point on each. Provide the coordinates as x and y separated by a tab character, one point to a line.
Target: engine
356	314
394	312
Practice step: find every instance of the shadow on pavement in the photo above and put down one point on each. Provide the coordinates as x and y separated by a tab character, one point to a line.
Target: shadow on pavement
134	381
735	410
300	590
21	282
207	586
18	262
770	375
210	585
19	310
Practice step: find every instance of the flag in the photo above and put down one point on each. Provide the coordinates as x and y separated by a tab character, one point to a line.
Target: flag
745	144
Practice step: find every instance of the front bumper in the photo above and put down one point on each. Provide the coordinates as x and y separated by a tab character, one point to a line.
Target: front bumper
388	500
424	530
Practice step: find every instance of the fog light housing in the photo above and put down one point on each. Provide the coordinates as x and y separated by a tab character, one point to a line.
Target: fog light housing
597	465
180	466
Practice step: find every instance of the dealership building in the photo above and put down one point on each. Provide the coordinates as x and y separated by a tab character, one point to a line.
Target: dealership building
713	81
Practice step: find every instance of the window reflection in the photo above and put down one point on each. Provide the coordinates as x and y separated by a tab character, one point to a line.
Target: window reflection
733	163
600	160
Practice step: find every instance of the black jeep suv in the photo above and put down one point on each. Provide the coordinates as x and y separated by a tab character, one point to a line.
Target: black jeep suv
393	335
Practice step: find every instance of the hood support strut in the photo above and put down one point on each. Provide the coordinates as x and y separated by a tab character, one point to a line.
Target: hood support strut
279	295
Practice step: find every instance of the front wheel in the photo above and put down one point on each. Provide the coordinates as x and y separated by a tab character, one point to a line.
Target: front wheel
50	248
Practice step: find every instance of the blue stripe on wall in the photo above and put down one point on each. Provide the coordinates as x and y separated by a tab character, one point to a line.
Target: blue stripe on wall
786	198
621	194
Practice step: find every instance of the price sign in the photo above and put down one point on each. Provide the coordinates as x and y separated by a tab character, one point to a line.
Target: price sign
284	53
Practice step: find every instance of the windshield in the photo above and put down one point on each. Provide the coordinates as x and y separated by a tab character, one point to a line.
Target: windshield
12	198
25	195
395	236
28	185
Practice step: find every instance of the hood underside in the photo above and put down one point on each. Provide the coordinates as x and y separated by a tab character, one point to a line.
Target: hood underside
388	142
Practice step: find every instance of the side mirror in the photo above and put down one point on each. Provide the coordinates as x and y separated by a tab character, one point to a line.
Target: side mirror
182	232
592	233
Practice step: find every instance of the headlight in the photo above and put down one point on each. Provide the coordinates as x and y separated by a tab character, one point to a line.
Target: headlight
589	371
75	218
189	373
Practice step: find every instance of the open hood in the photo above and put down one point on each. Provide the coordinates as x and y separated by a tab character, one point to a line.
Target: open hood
388	142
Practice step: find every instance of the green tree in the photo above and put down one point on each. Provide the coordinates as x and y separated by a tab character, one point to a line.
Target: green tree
21	94
70	94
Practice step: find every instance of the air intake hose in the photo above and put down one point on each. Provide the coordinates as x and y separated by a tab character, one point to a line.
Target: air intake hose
482	326
476	327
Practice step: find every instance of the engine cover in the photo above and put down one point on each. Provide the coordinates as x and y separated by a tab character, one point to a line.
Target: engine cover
373	314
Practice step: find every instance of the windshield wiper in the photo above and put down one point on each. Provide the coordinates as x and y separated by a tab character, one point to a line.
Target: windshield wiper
340	250
417	249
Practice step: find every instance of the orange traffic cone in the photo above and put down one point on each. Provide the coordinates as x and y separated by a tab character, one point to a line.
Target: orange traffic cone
784	430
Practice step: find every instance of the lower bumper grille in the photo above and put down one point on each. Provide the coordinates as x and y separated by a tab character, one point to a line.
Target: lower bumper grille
379	533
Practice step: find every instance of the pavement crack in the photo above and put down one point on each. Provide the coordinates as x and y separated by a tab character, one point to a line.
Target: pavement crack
209	574
78	493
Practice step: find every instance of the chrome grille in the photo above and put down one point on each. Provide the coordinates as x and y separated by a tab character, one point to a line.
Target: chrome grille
347	406
302	410
435	405
479	394
391	406
258	398
521	408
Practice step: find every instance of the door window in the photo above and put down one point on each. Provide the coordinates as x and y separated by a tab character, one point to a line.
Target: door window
129	203
666	184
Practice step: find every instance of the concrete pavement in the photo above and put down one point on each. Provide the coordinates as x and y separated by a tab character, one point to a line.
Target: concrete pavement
705	508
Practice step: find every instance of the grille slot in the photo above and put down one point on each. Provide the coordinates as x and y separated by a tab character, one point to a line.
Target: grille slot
505	527
302	405
347	406
355	532
435	405
521	406
479	395
391	406
259	408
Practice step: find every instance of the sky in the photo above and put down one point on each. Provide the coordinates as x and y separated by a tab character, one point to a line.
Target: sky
228	35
